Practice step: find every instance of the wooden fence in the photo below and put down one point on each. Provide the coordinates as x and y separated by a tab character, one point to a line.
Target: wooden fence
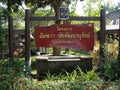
29	19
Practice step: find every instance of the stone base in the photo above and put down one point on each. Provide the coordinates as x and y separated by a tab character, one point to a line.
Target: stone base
55	64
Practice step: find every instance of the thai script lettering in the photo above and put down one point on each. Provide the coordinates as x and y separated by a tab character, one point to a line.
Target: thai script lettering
63	29
83	35
42	35
63	42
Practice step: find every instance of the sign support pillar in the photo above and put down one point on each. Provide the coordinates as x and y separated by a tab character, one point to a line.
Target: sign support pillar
10	21
102	38
27	43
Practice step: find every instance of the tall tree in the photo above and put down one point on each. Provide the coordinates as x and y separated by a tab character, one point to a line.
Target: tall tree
109	6
92	8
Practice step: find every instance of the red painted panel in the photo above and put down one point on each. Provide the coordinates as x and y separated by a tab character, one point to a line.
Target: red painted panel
65	36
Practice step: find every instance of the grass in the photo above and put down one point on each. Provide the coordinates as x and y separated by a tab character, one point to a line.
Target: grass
72	52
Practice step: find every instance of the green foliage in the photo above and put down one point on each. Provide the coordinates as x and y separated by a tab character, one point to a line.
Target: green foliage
110	49
92	8
66	81
78	52
77	74
27	84
112	69
12	6
63	76
2	31
2	34
89	75
18	21
9	72
112	64
109	6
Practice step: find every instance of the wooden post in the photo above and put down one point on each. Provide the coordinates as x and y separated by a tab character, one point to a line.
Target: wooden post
102	37
10	28
119	41
27	43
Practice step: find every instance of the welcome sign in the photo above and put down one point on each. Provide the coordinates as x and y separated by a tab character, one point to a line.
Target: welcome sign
65	36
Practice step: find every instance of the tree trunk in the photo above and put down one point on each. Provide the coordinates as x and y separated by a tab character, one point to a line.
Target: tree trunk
56	5
56	51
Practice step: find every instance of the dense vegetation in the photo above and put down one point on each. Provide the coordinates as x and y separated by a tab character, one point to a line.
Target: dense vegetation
13	78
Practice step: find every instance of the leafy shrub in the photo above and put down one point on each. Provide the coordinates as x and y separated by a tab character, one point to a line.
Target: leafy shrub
77	80
91	75
55	84
76	74
112	64
111	50
112	69
9	72
96	53
63	81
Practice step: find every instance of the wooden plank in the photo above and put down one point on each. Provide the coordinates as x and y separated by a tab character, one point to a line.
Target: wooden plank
102	38
19	31
48	18
119	42
27	43
102	31
85	18
111	31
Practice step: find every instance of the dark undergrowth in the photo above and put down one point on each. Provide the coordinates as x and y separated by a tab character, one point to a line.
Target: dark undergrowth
12	77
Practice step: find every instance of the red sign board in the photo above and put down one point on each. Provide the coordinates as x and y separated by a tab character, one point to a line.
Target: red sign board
65	36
